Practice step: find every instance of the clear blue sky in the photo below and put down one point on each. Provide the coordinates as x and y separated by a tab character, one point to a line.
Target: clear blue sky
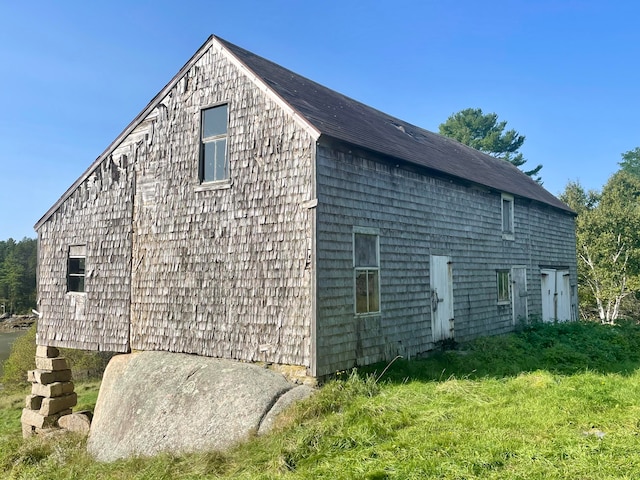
74	73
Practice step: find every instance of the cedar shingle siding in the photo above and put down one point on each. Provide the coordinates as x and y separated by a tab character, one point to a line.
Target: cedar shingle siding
261	267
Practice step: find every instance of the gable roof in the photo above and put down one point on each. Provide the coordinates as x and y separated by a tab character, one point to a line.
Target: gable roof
340	117
322	111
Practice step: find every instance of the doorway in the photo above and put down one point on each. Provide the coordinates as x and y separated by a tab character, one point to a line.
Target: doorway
520	294
556	295
441	283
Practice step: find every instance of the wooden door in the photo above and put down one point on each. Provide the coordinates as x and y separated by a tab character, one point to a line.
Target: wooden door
441	284
556	295
520	294
563	296
548	286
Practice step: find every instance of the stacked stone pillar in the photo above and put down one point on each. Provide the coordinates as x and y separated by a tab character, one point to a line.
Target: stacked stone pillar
52	394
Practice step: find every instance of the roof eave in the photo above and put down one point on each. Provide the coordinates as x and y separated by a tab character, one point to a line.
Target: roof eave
441	173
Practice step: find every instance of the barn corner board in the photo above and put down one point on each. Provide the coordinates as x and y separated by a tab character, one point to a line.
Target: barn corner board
250	213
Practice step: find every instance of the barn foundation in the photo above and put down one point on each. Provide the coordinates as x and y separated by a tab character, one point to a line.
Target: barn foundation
52	392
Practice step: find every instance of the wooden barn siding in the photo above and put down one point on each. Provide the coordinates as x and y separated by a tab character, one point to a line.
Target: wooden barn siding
97	214
418	216
224	272
553	244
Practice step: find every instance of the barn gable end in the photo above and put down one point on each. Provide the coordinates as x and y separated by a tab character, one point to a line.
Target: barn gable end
220	269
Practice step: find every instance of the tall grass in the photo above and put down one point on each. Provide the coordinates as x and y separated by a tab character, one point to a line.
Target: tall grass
550	402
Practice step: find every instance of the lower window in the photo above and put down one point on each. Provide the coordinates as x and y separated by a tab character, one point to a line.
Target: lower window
367	291
76	268
504	292
366	262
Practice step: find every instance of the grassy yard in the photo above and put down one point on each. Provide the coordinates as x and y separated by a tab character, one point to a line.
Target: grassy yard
552	402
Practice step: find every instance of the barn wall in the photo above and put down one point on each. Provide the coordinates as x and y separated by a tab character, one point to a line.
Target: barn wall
98	215
226	271
416	216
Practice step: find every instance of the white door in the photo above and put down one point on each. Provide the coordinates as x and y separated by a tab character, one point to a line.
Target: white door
563	295
548	283
520	294
556	295
441	297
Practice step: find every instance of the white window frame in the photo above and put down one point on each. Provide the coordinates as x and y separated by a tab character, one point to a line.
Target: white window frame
502	300
356	269
508	227
225	180
77	252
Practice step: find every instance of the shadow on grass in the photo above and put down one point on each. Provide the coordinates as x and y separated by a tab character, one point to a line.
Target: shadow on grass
561	348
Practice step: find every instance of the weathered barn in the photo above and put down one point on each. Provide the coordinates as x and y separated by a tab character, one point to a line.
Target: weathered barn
250	213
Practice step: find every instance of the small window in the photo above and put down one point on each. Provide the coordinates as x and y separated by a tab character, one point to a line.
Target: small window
504	290
76	268
507	217
214	165
367	273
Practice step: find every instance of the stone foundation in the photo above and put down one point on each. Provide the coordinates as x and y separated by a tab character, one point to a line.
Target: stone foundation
52	395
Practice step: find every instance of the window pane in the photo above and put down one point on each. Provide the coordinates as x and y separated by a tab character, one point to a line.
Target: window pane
221	159
215	160
361	292
76	266
374	286
503	286
365	250
506	216
75	284
209	162
214	121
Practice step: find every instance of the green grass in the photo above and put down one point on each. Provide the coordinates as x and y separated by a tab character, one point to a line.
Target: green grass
550	402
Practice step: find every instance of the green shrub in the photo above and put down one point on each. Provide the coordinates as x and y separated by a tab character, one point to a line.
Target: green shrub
84	364
21	359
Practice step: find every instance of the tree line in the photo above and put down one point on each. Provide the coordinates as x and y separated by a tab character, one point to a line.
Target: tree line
18	263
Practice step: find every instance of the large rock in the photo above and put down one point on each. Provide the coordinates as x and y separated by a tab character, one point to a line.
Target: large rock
299	392
151	402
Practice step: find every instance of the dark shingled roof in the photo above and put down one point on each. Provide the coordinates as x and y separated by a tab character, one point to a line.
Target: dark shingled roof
348	120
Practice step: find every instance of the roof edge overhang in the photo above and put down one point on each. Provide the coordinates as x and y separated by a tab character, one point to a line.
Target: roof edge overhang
418	168
265	88
211	41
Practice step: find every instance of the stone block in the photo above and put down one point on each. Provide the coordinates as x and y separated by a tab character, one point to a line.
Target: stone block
46	377
35	419
44	351
51	406
56	389
33	402
27	430
76	422
52	364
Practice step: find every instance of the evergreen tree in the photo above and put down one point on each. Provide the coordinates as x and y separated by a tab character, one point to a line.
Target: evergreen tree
485	133
18	275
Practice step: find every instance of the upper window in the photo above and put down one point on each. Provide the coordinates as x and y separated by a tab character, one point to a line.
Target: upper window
507	217
76	268
214	165
504	292
366	262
